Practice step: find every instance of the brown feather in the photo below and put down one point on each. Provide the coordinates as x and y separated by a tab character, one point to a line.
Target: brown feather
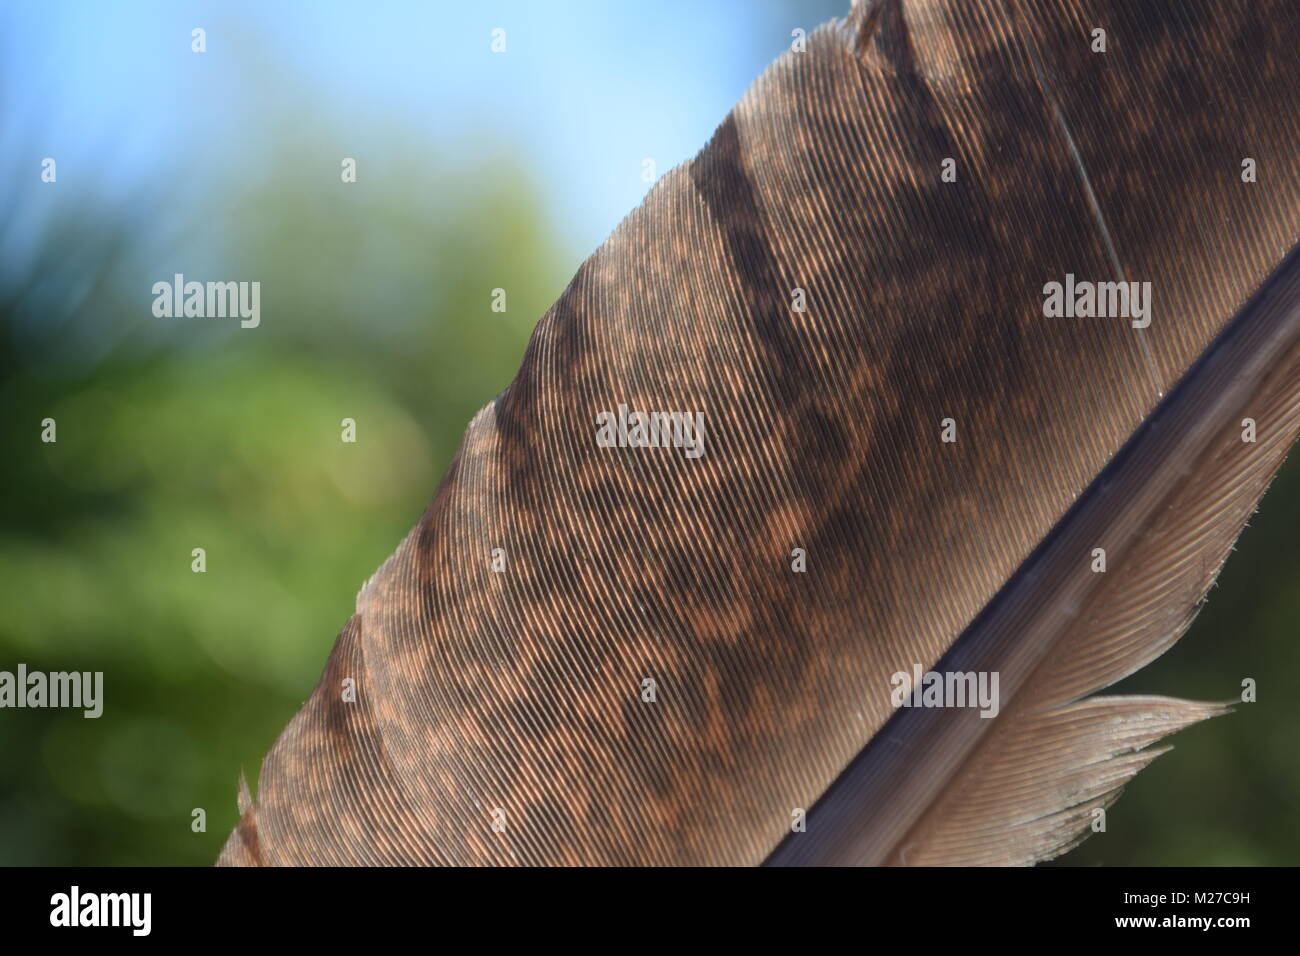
520	691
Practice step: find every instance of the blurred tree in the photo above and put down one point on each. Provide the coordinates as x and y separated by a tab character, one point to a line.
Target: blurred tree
175	434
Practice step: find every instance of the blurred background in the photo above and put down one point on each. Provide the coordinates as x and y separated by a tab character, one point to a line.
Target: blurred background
475	171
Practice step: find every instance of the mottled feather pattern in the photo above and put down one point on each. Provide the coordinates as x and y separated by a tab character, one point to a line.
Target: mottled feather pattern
498	715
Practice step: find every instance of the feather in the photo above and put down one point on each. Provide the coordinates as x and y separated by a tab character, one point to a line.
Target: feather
641	655
244	799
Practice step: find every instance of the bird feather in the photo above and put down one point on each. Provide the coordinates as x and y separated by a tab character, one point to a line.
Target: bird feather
501	716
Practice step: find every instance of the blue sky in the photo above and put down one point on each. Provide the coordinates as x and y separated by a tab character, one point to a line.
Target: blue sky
585	91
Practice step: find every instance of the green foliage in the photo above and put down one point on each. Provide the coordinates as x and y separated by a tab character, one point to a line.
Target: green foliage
175	434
